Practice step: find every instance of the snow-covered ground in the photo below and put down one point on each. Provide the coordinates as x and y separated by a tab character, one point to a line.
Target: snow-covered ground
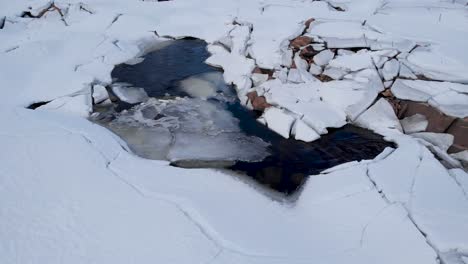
72	192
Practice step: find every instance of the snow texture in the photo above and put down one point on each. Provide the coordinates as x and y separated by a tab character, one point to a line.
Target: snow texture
73	192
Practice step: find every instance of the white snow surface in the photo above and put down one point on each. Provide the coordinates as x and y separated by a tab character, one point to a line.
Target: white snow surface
73	192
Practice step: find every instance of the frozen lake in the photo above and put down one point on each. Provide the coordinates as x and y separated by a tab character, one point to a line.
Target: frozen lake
192	118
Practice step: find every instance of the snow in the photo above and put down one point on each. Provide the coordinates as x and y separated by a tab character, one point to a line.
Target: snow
302	131
131	95
99	94
258	78
73	192
323	57
352	62
441	140
461	177
414	123
390	69
79	104
417	182
379	117
450	98
315	69
278	121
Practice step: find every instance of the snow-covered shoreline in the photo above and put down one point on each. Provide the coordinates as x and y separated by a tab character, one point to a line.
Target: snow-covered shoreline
71	192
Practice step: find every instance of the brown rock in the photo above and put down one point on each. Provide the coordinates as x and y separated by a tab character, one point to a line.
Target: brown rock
438	121
252	96
395	104
387	93
257	70
301	41
293	65
459	129
324	78
260	103
308	22
308	53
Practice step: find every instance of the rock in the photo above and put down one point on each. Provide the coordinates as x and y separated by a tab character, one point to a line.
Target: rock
459	129
252	95
414	124
387	93
437	121
300	42
257	70
260	103
308	22
308	53
324	57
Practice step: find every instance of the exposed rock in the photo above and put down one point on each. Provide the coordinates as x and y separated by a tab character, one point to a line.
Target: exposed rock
437	121
308	53
301	41
308	22
387	93
258	102
324	78
459	129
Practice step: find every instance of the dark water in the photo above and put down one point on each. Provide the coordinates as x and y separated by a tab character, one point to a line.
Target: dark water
290	161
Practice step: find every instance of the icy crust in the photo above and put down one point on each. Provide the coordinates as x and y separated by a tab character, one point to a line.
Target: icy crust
199	209
433	199
131	206
186	129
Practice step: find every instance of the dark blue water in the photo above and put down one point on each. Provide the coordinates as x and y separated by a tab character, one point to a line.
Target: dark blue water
290	161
